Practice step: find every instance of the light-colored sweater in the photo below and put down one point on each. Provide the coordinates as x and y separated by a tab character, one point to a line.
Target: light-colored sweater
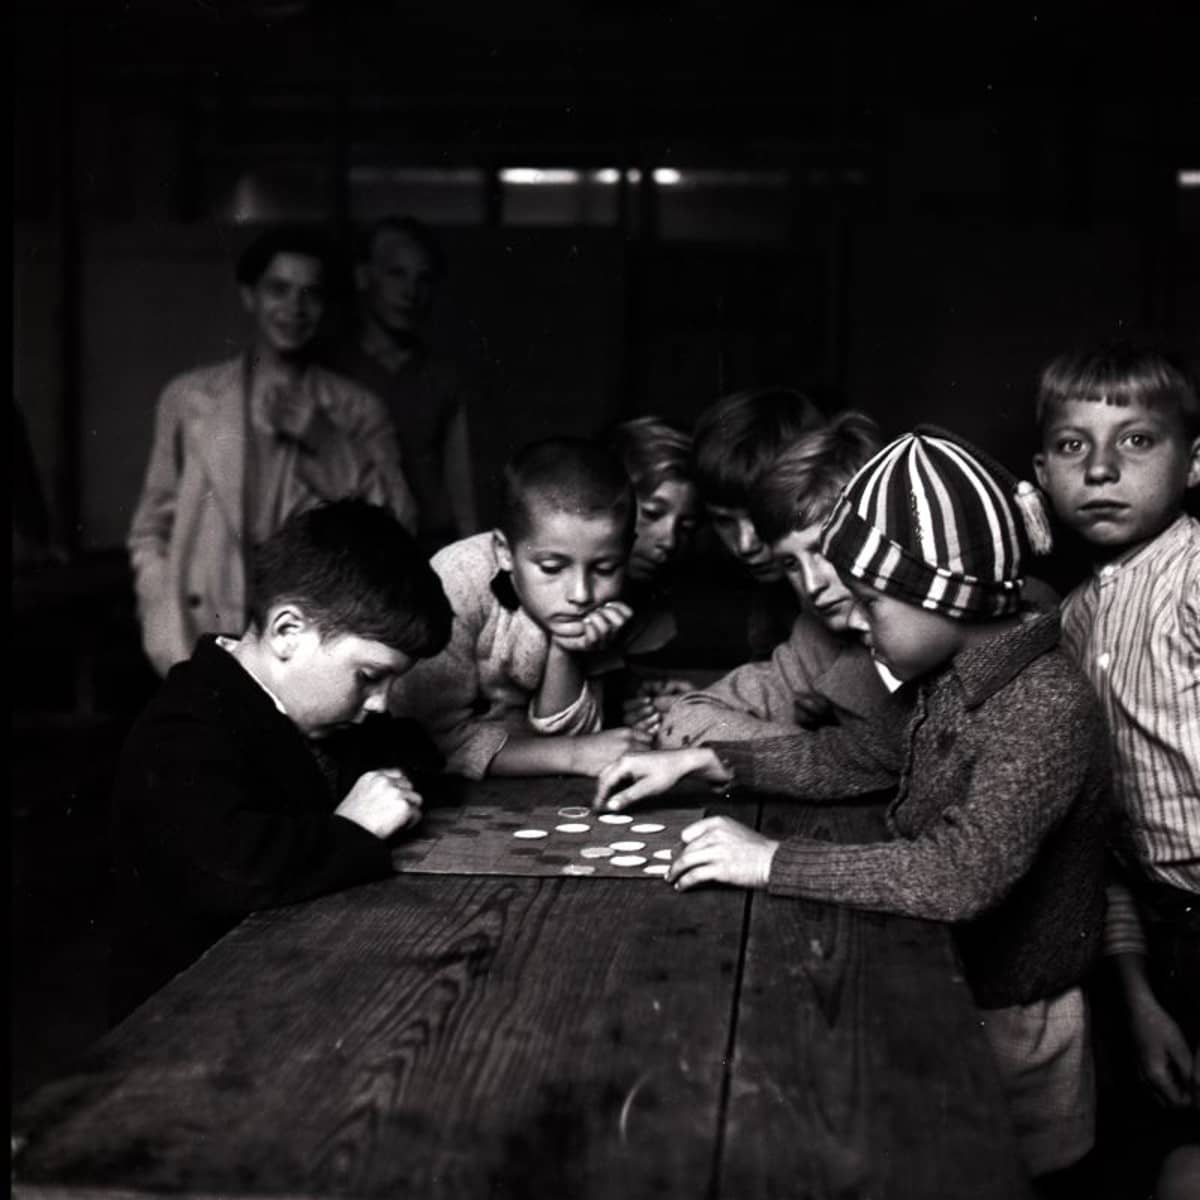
814	678
474	695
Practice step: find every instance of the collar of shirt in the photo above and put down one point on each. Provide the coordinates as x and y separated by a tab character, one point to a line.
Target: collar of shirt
984	669
230	645
1149	555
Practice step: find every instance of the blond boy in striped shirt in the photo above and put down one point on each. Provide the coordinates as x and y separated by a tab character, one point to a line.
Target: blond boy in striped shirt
1120	447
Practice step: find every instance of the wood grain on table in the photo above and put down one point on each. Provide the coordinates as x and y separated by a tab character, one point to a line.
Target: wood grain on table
493	1037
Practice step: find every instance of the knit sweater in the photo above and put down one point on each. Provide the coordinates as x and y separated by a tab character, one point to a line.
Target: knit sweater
998	824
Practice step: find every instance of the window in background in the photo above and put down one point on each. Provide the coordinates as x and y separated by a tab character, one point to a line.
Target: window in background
436	195
719	205
563	195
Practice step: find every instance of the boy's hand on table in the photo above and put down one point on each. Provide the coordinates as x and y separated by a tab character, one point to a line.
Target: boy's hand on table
592	752
594	629
382	802
721	850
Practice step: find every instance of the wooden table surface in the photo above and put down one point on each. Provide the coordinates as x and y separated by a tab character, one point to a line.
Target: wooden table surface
456	1036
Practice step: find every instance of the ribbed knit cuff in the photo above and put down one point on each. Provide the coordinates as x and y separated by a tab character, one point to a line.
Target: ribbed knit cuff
738	759
1123	933
815	870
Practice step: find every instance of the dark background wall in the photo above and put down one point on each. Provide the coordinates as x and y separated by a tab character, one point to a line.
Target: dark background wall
932	202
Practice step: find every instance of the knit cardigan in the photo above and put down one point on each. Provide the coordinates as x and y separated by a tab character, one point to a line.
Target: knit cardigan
998	823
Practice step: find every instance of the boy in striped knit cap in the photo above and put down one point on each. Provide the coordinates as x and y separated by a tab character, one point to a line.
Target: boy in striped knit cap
999	820
1120	447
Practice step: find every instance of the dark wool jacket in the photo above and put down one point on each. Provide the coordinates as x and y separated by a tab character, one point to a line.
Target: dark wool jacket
999	821
221	807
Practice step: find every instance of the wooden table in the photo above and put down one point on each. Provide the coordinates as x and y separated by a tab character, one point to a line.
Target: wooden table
455	1036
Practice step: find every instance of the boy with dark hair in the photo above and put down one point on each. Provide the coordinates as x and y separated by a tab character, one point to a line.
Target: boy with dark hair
822	673
254	777
1120	448
999	819
734	441
518	689
399	271
240	446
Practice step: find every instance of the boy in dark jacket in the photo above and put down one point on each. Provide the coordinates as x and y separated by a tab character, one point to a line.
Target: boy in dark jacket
255	778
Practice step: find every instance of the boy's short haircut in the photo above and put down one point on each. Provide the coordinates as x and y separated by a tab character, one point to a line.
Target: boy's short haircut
286	239
409	227
1121	373
353	569
653	452
570	475
799	488
739	436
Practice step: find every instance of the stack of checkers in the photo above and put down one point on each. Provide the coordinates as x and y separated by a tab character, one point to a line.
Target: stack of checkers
546	840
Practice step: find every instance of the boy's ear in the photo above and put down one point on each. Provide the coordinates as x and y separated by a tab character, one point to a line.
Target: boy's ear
247	295
503	550
1193	476
285	625
1039	469
361	276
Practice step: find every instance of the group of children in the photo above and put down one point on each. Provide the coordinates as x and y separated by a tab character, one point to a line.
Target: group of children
919	660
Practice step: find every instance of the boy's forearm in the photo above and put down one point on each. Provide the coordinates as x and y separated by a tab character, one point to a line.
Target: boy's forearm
820	764
695	718
1133	978
562	682
521	755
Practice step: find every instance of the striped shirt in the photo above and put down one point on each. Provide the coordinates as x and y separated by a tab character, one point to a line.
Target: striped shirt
1134	629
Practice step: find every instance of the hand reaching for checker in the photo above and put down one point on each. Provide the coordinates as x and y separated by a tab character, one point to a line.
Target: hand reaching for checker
633	777
592	752
382	802
721	850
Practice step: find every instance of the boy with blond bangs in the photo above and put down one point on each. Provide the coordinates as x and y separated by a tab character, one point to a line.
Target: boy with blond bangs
519	689
1000	815
1120	448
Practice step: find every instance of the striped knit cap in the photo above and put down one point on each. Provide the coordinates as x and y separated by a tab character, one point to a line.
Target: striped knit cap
933	522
